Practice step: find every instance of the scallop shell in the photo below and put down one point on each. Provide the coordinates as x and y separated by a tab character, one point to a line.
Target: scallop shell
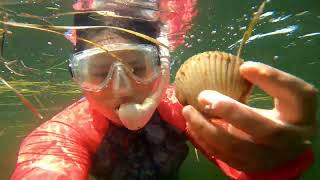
212	70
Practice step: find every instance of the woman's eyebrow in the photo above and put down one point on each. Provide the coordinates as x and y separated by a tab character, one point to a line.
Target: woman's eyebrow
133	57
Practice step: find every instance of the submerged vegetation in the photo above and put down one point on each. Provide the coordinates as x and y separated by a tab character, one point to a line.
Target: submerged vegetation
40	87
50	28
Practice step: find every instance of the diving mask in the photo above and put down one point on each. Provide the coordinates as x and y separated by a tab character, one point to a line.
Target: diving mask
94	69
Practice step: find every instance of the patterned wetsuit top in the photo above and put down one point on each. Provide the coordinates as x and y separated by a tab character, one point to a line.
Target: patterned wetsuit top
154	152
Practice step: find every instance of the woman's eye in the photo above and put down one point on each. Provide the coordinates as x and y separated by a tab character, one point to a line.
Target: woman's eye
139	70
99	74
99	71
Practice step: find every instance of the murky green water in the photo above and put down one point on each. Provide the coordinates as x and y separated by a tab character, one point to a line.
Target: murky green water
288	37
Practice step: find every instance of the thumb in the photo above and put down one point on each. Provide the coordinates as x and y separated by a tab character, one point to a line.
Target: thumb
239	115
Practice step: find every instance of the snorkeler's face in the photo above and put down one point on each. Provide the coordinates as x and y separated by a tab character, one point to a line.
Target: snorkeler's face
121	88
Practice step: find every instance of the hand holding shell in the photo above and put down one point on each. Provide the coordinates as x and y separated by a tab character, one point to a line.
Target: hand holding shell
212	70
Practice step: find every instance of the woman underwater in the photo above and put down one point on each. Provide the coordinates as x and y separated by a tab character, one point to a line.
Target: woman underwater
131	126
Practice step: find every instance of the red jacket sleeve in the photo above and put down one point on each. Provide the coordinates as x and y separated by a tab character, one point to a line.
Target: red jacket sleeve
171	110
61	147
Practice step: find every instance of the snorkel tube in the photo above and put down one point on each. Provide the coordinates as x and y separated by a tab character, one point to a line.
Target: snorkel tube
135	116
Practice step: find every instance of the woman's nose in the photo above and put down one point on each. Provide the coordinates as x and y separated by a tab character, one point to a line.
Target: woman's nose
121	82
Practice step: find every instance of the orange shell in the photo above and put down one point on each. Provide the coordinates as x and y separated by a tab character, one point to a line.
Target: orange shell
212	70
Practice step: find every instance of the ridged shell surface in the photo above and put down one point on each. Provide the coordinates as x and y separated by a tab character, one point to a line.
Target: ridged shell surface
212	70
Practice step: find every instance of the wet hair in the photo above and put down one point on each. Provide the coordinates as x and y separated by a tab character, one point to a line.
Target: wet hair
151	29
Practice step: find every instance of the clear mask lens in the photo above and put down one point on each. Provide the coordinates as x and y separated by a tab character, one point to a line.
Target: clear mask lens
94	68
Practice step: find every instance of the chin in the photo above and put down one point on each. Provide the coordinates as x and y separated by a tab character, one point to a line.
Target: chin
114	118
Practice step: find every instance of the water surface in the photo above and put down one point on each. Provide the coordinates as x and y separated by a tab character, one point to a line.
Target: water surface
287	37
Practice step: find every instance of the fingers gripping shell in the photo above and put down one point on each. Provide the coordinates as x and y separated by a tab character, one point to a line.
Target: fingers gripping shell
212	70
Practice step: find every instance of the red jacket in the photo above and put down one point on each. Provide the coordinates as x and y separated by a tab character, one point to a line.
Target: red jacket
61	147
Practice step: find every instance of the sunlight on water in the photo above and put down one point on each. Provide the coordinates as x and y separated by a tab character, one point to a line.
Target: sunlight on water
309	35
286	31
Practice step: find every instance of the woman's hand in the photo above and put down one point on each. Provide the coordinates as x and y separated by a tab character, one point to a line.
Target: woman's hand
251	139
